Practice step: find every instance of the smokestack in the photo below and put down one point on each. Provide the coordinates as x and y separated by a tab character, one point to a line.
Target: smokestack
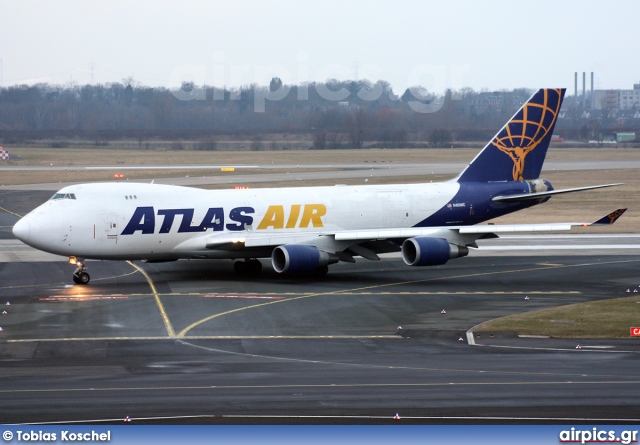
576	82
592	98
584	87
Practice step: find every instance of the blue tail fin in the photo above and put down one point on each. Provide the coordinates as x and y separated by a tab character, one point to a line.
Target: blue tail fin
517	152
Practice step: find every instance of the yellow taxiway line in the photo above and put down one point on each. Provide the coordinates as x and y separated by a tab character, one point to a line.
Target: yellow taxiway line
10	212
165	317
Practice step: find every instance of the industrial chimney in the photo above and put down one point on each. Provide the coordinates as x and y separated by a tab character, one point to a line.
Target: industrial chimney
592	97
584	88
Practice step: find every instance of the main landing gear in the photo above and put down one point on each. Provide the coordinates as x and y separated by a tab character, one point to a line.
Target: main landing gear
248	267
80	275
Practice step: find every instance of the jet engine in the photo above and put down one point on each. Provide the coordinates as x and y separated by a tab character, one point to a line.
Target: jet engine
298	258
427	251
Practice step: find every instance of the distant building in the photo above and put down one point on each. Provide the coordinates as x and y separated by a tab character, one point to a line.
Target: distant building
4	155
625	137
275	84
496	101
618	137
617	99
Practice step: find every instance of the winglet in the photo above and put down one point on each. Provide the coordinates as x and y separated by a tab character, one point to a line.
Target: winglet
609	219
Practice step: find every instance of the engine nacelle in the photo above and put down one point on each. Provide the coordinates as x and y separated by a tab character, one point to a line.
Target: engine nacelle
427	251
299	258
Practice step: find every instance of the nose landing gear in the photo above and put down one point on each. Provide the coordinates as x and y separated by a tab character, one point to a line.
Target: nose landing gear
80	275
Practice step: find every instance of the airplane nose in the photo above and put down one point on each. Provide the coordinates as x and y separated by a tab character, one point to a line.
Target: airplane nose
21	230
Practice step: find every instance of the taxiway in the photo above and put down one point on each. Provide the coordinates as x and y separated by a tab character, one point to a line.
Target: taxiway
192	341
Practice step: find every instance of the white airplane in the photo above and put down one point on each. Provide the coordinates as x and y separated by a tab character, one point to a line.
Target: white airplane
303	230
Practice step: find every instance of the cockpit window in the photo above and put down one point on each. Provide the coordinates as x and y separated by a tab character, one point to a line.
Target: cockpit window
63	196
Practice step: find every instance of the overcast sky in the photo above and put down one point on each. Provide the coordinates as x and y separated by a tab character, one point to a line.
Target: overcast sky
437	44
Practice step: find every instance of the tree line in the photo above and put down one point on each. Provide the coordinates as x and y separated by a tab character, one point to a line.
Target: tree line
331	114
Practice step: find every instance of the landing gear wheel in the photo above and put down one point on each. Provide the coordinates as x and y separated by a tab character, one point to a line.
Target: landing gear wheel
321	271
81	278
80	275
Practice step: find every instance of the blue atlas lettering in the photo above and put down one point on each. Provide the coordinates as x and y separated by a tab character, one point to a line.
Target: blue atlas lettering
143	220
240	217
169	215
214	219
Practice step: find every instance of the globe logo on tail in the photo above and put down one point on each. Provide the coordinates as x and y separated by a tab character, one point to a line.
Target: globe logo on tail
528	128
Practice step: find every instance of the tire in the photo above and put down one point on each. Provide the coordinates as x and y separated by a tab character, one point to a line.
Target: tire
83	278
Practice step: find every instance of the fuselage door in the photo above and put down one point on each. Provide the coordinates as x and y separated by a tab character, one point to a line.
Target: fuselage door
111	226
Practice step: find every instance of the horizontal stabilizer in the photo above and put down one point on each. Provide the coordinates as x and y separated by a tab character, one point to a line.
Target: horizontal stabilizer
546	227
526	196
516	228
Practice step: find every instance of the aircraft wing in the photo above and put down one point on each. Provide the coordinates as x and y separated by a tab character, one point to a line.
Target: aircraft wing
341	239
477	229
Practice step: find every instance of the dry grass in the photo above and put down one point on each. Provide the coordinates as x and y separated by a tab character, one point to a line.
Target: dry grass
20	177
598	319
105	156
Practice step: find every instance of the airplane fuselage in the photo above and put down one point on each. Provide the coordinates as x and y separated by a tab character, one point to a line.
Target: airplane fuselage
131	221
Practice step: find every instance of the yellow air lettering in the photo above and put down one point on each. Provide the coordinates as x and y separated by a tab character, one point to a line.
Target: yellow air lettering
313	214
274	217
293	216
